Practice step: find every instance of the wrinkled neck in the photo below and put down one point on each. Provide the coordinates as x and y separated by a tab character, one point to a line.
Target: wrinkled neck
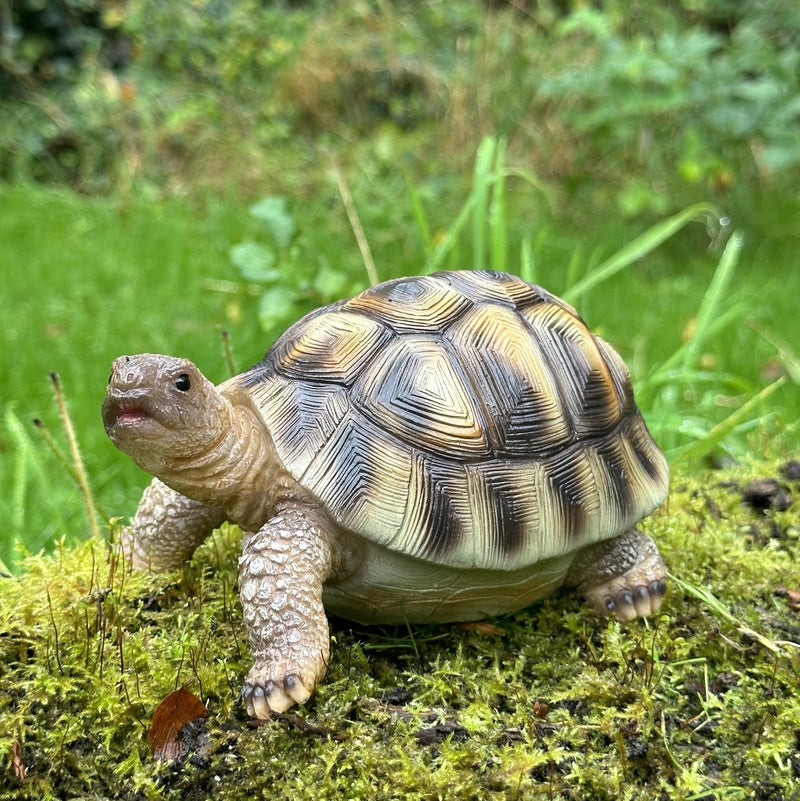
240	471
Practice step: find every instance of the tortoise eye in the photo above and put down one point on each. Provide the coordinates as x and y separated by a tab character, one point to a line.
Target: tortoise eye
183	383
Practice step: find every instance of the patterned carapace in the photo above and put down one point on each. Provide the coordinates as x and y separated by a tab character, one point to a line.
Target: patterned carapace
469	419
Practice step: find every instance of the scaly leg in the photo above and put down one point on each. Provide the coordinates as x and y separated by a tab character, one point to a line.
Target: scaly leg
624	576
167	528
281	572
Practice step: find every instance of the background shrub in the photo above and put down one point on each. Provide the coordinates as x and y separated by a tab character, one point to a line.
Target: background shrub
642	106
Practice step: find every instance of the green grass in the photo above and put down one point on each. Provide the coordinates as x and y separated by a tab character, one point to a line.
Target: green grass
88	279
83	281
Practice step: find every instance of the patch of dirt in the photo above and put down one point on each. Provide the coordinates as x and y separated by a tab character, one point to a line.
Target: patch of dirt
767	493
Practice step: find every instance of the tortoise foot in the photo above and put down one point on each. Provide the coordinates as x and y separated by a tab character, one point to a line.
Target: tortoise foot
636	593
276	690
624	577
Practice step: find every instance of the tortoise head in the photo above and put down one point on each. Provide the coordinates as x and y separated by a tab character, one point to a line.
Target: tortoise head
162	410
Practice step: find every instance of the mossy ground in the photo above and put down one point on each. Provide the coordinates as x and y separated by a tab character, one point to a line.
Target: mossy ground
700	702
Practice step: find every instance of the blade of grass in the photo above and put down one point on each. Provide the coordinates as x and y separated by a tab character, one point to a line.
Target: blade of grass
709	320
482	178
420	218
713	297
731	381
574	266
789	359
27	468
640	247
497	213
676	366
527	268
723	613
20	477
474	210
450	238
530	178
703	445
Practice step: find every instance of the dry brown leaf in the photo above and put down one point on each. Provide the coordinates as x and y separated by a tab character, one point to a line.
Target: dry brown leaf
171	715
483	627
540	709
16	761
792	598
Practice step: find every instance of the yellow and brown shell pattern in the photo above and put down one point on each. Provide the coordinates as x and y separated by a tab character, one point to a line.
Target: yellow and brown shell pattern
464	418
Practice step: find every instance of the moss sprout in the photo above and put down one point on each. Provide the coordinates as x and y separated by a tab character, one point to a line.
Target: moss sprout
699	702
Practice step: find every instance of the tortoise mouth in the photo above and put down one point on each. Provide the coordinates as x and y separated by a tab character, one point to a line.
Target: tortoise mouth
124	413
130	413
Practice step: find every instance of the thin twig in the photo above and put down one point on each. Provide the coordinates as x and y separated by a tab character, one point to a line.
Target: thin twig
227	349
296	722
77	461
42	428
355	223
62	457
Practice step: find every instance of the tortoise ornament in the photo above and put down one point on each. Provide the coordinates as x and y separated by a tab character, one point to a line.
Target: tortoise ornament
437	448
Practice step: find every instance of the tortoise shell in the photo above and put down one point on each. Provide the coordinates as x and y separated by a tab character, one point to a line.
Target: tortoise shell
468	419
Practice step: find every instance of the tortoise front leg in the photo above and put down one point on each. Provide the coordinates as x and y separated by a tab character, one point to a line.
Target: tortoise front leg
624	576
281	572
167	528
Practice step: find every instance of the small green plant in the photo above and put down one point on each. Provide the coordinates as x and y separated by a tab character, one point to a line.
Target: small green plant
275	252
686	104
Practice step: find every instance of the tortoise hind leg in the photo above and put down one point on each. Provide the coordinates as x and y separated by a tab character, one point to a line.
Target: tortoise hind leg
624	576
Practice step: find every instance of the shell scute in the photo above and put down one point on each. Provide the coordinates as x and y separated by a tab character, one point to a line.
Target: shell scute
332	347
464	418
437	520
420	395
361	478
512	380
302	418
586	391
412	305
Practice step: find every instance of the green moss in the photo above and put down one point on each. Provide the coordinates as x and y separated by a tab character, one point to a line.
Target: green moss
699	702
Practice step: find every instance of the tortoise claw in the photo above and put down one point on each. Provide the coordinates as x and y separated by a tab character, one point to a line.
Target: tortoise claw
642	601
262	698
638	592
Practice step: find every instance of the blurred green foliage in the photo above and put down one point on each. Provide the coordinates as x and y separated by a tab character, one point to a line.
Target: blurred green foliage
277	250
642	107
690	100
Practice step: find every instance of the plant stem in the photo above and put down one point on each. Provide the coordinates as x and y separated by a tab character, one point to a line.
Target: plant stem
355	224
77	461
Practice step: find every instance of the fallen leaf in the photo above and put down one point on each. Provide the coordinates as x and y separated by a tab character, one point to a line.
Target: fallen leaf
540	709
792	598
171	715
16	761
482	627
